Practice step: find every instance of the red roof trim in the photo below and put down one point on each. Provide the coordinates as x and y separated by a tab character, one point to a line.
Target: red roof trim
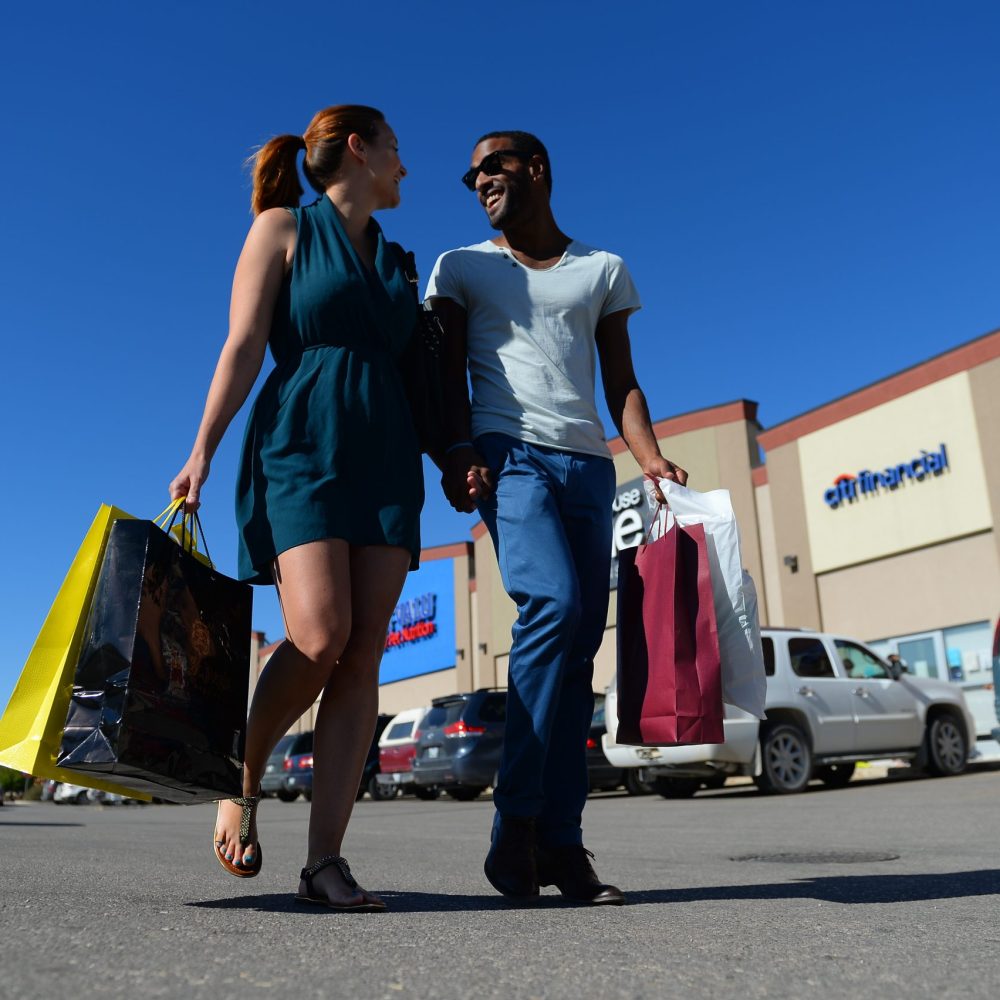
696	420
478	530
959	359
759	475
454	550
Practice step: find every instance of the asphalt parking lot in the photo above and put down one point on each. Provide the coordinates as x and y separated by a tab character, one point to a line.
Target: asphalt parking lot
886	888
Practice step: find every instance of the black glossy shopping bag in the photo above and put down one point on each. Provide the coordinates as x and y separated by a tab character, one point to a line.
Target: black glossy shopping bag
160	691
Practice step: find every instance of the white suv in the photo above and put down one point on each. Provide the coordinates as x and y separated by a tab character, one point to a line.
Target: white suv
830	703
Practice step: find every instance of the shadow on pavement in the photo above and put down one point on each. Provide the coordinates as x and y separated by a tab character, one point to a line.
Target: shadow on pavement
18	823
841	889
398	902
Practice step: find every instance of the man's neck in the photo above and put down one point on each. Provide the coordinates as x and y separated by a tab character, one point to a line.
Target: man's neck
537	239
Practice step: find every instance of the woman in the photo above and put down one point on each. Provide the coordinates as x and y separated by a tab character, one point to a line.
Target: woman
330	484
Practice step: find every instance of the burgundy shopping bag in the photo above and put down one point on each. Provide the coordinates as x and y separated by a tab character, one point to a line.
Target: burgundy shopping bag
669	675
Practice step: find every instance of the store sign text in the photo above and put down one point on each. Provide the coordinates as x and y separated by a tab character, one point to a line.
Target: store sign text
412	621
627	527
848	489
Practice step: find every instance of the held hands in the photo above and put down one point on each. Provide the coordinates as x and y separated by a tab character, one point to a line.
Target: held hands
188	482
465	479
662	468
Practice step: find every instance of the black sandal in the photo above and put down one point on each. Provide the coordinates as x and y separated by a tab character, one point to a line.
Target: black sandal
308	874
247	804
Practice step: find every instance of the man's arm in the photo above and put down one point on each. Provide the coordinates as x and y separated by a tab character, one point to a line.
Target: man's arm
628	404
464	475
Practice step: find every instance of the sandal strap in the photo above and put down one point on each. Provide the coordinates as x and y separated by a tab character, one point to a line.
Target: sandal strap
307	874
247	804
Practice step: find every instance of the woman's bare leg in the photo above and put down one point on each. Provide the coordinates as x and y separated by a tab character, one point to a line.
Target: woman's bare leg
345	722
314	587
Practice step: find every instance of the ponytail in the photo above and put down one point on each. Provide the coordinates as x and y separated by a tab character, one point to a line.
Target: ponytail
275	174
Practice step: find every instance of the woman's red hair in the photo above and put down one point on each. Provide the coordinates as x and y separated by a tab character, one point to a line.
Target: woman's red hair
275	174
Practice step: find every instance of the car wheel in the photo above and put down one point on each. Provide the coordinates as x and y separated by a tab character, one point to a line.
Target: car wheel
634	785
308	796
786	760
81	798
381	793
676	788
835	775
464	793
947	749
426	793
287	796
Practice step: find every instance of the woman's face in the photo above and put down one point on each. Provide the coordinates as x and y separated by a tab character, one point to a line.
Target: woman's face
386	167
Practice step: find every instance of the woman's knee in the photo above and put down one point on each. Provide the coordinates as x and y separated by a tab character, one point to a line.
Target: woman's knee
322	646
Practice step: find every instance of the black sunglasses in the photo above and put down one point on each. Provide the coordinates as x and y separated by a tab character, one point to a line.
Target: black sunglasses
491	164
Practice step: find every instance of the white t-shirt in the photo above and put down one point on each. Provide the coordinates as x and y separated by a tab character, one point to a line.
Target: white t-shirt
532	354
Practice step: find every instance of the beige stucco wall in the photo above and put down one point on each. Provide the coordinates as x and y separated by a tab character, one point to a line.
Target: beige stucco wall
463	573
770	607
917	513
984	385
796	592
416	691
953	583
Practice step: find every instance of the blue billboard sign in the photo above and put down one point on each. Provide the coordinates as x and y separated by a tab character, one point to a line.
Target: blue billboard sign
421	635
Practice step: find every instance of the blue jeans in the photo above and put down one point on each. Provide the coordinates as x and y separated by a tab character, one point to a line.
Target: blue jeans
550	520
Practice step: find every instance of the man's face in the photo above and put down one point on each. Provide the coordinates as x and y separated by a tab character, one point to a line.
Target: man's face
504	188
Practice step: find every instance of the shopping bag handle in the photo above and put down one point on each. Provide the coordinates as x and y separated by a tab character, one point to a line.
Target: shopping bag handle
652	522
190	526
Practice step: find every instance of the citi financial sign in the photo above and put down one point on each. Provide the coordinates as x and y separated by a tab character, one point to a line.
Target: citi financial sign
847	489
412	621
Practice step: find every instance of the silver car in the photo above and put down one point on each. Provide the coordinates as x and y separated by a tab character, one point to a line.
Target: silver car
831	702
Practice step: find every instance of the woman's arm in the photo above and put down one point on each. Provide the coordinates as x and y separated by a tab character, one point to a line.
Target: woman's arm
262	266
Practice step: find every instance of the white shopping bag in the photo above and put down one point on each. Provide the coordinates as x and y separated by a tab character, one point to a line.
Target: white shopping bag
743	677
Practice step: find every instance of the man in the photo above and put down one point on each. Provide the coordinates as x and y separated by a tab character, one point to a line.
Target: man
527	313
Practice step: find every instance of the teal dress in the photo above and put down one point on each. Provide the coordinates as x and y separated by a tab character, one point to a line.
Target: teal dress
330	450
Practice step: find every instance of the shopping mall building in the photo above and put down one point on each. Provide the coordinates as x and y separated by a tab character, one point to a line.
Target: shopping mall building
872	515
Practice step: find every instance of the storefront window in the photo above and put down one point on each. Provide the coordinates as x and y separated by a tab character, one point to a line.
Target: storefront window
967	649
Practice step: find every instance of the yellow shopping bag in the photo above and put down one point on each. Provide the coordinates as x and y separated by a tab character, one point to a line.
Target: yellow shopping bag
31	727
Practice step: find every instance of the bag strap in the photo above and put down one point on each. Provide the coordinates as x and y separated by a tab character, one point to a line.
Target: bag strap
652	523
408	264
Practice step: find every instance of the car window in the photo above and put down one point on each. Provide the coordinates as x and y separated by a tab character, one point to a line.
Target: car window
493	708
809	658
768	646
860	663
282	746
443	715
303	744
400	731
599	716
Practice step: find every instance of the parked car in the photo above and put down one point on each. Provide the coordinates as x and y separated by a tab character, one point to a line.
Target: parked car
830	703
396	749
298	770
605	776
297	777
75	794
461	738
278	765
369	778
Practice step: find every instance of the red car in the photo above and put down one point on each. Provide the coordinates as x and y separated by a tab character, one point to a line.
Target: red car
396	749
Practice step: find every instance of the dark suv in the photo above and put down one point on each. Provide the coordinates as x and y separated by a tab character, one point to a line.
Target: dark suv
460	743
279	764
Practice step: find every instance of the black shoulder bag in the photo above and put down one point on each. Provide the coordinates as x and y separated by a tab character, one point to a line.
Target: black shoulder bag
421	368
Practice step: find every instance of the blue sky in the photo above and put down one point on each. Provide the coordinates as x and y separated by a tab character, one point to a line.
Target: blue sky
806	195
